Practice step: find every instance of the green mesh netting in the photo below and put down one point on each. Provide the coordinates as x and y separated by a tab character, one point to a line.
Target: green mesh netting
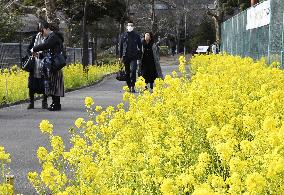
266	41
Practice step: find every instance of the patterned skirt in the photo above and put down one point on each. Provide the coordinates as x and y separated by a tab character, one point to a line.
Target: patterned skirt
57	84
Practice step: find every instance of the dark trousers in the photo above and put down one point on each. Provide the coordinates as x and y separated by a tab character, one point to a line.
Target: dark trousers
173	51
130	70
151	85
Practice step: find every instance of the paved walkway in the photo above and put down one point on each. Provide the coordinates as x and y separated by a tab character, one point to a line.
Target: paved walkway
20	135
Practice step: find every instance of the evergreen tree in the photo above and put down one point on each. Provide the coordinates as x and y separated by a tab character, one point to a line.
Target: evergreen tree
9	23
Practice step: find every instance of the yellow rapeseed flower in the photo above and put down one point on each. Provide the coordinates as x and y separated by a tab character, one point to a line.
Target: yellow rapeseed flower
79	122
89	102
42	154
46	127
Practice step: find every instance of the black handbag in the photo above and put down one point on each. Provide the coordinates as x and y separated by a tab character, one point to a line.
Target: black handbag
28	63
59	61
121	75
56	61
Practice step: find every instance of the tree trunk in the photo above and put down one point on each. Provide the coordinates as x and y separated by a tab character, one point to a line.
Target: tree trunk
218	24
153	19
95	43
85	57
95	57
121	31
178	39
218	17
51	14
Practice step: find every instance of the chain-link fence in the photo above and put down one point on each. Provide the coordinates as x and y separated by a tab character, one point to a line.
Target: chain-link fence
265	41
11	54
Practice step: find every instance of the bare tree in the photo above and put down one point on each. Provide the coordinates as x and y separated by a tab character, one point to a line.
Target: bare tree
223	9
50	6
85	56
218	15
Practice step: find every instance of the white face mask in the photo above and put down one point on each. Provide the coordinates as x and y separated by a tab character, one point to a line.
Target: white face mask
130	28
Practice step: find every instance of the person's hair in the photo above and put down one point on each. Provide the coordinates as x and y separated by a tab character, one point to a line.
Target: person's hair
54	26
130	21
151	37
43	24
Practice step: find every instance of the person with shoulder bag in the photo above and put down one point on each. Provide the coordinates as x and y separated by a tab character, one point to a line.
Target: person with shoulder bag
53	62
36	79
130	53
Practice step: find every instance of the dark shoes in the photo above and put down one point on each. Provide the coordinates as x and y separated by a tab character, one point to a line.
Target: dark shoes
54	107
44	105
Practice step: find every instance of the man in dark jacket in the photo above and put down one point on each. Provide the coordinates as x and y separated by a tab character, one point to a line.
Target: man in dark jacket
130	52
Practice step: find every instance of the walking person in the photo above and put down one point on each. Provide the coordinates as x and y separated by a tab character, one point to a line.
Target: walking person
214	48
130	53
36	79
173	46
52	45
150	67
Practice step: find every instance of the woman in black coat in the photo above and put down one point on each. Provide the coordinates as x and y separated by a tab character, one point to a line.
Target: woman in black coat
150	63
54	45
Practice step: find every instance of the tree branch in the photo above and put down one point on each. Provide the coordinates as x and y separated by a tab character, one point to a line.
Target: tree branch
25	9
209	13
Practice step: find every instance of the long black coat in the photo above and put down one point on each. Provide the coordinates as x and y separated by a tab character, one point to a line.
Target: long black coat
54	43
150	67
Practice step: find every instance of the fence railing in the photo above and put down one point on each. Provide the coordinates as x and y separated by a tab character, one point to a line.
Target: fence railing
12	53
265	41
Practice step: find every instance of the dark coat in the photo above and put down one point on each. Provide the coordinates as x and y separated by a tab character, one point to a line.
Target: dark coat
130	46
150	67
54	43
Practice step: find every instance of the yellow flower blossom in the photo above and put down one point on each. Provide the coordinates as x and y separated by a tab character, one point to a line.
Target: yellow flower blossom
98	108
168	187
42	153
89	102
79	122
46	127
255	183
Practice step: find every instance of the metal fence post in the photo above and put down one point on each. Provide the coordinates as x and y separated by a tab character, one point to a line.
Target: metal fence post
20	45
282	52
74	56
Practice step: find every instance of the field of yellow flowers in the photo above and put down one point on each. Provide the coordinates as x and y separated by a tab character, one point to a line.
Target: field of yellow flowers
14	82
219	132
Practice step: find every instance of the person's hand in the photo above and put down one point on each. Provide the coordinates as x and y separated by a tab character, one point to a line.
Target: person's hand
35	54
32	52
120	60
